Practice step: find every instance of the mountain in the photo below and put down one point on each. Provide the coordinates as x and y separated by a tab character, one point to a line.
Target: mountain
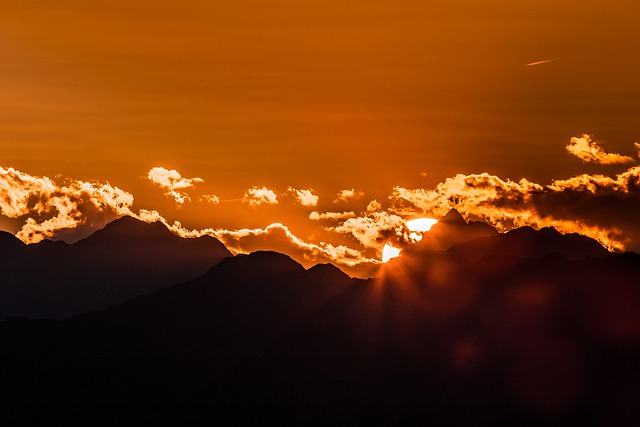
527	242
524	242
126	258
453	229
517	337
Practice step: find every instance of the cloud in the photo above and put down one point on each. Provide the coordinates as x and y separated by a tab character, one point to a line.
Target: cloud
589	150
210	198
345	195
316	216
46	207
259	196
304	197
374	229
277	237
636	145
150	216
171	181
374	206
601	207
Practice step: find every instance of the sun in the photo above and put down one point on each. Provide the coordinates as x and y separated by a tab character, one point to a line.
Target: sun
390	252
416	227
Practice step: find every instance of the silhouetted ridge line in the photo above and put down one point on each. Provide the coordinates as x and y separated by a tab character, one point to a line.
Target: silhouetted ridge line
8	239
453	217
521	243
126	258
450	230
327	270
527	242
520	336
10	247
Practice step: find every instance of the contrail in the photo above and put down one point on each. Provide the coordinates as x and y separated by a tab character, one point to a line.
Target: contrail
538	62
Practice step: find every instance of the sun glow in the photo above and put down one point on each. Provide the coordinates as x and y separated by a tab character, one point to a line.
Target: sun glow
418	226
389	252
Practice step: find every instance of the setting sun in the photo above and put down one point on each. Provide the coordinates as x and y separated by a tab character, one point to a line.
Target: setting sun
418	226
390	252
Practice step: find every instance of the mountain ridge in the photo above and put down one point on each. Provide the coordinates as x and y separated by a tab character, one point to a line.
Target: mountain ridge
126	258
504	340
452	229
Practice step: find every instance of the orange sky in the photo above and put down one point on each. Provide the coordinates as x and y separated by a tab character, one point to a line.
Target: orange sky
327	96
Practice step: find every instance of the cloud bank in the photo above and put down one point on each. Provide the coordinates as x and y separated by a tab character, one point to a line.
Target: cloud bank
46	207
594	205
599	206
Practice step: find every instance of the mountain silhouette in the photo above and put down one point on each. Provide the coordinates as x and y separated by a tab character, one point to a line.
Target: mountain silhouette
523	335
453	229
126	258
524	242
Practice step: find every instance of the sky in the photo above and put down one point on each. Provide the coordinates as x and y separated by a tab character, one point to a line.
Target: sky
319	128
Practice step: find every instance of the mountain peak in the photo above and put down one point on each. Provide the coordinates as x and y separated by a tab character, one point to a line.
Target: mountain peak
8	238
260	264
572	246
126	258
452	229
10	244
328	271
453	217
129	226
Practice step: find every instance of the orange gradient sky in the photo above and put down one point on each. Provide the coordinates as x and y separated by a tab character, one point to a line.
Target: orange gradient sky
322	96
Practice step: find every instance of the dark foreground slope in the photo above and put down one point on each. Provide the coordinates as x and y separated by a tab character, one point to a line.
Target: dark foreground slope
126	258
508	340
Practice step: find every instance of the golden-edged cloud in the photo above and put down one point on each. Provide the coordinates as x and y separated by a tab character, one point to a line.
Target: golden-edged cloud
47	207
597	206
602	207
278	237
317	216
589	150
373	229
259	196
172	183
374	206
345	195
304	197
